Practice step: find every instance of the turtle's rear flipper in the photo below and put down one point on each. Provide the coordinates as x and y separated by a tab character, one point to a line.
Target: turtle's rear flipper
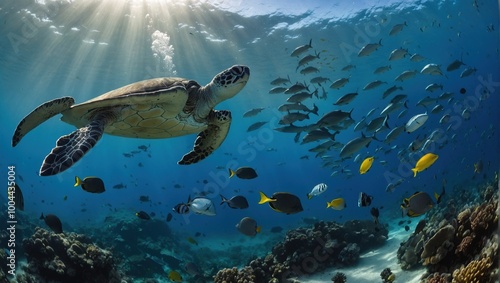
70	148
41	114
210	139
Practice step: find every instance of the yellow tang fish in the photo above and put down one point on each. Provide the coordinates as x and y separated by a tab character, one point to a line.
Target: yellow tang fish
337	204
366	165
424	162
174	276
192	241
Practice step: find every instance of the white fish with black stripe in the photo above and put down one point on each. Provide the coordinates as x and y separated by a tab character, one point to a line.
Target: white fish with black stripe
317	190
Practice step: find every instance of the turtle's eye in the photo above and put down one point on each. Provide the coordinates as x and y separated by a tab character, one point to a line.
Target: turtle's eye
236	70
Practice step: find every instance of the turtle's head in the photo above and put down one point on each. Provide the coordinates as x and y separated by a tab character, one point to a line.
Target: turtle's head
229	82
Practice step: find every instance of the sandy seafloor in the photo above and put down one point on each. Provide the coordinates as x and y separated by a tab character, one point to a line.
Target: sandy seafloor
371	263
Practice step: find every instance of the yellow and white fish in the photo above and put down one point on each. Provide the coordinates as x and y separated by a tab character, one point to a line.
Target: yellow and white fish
337	204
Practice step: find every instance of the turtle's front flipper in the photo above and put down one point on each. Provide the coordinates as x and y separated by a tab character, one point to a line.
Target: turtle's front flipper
40	115
70	148
210	139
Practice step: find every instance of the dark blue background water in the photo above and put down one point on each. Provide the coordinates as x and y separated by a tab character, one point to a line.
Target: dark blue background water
110	45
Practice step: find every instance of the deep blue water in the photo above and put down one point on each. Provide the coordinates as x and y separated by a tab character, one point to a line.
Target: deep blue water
83	50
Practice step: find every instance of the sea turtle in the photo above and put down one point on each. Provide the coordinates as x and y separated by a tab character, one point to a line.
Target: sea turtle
155	108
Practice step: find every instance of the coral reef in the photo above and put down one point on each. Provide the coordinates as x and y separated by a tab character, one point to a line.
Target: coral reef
233	275
436	248
477	271
462	241
310	250
484	217
349	254
66	258
387	275
438	278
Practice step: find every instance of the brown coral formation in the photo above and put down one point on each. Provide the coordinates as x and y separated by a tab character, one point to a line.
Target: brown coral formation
233	275
455	244
437	247
306	251
438	278
484	217
465	246
477	271
66	258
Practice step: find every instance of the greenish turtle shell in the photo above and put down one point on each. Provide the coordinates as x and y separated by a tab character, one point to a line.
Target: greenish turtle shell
155	108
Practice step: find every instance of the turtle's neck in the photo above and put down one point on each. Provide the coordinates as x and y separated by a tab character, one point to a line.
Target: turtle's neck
205	102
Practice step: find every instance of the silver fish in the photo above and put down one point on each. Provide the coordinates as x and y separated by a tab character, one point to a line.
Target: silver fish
406	75
402	113
339	83
346	99
319	80
433	87
397	54
436	109
392	186
299	97
397	28
426	101
360	125
398	98
278	89
432	69
309	70
382	69
371	111
377	123
298	107
308	58
295	88
391	107
445	119
333	118
255	126
355	145
253	112
315	135
369	48
281	81
292	129
417	58
348	67
326	145
201	205
454	65
416	122
445	95
467	72
372	85
293	117
390	90
394	133
301	49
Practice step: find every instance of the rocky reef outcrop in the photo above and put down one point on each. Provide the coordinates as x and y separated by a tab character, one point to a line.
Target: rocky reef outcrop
310	250
67	257
460	241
